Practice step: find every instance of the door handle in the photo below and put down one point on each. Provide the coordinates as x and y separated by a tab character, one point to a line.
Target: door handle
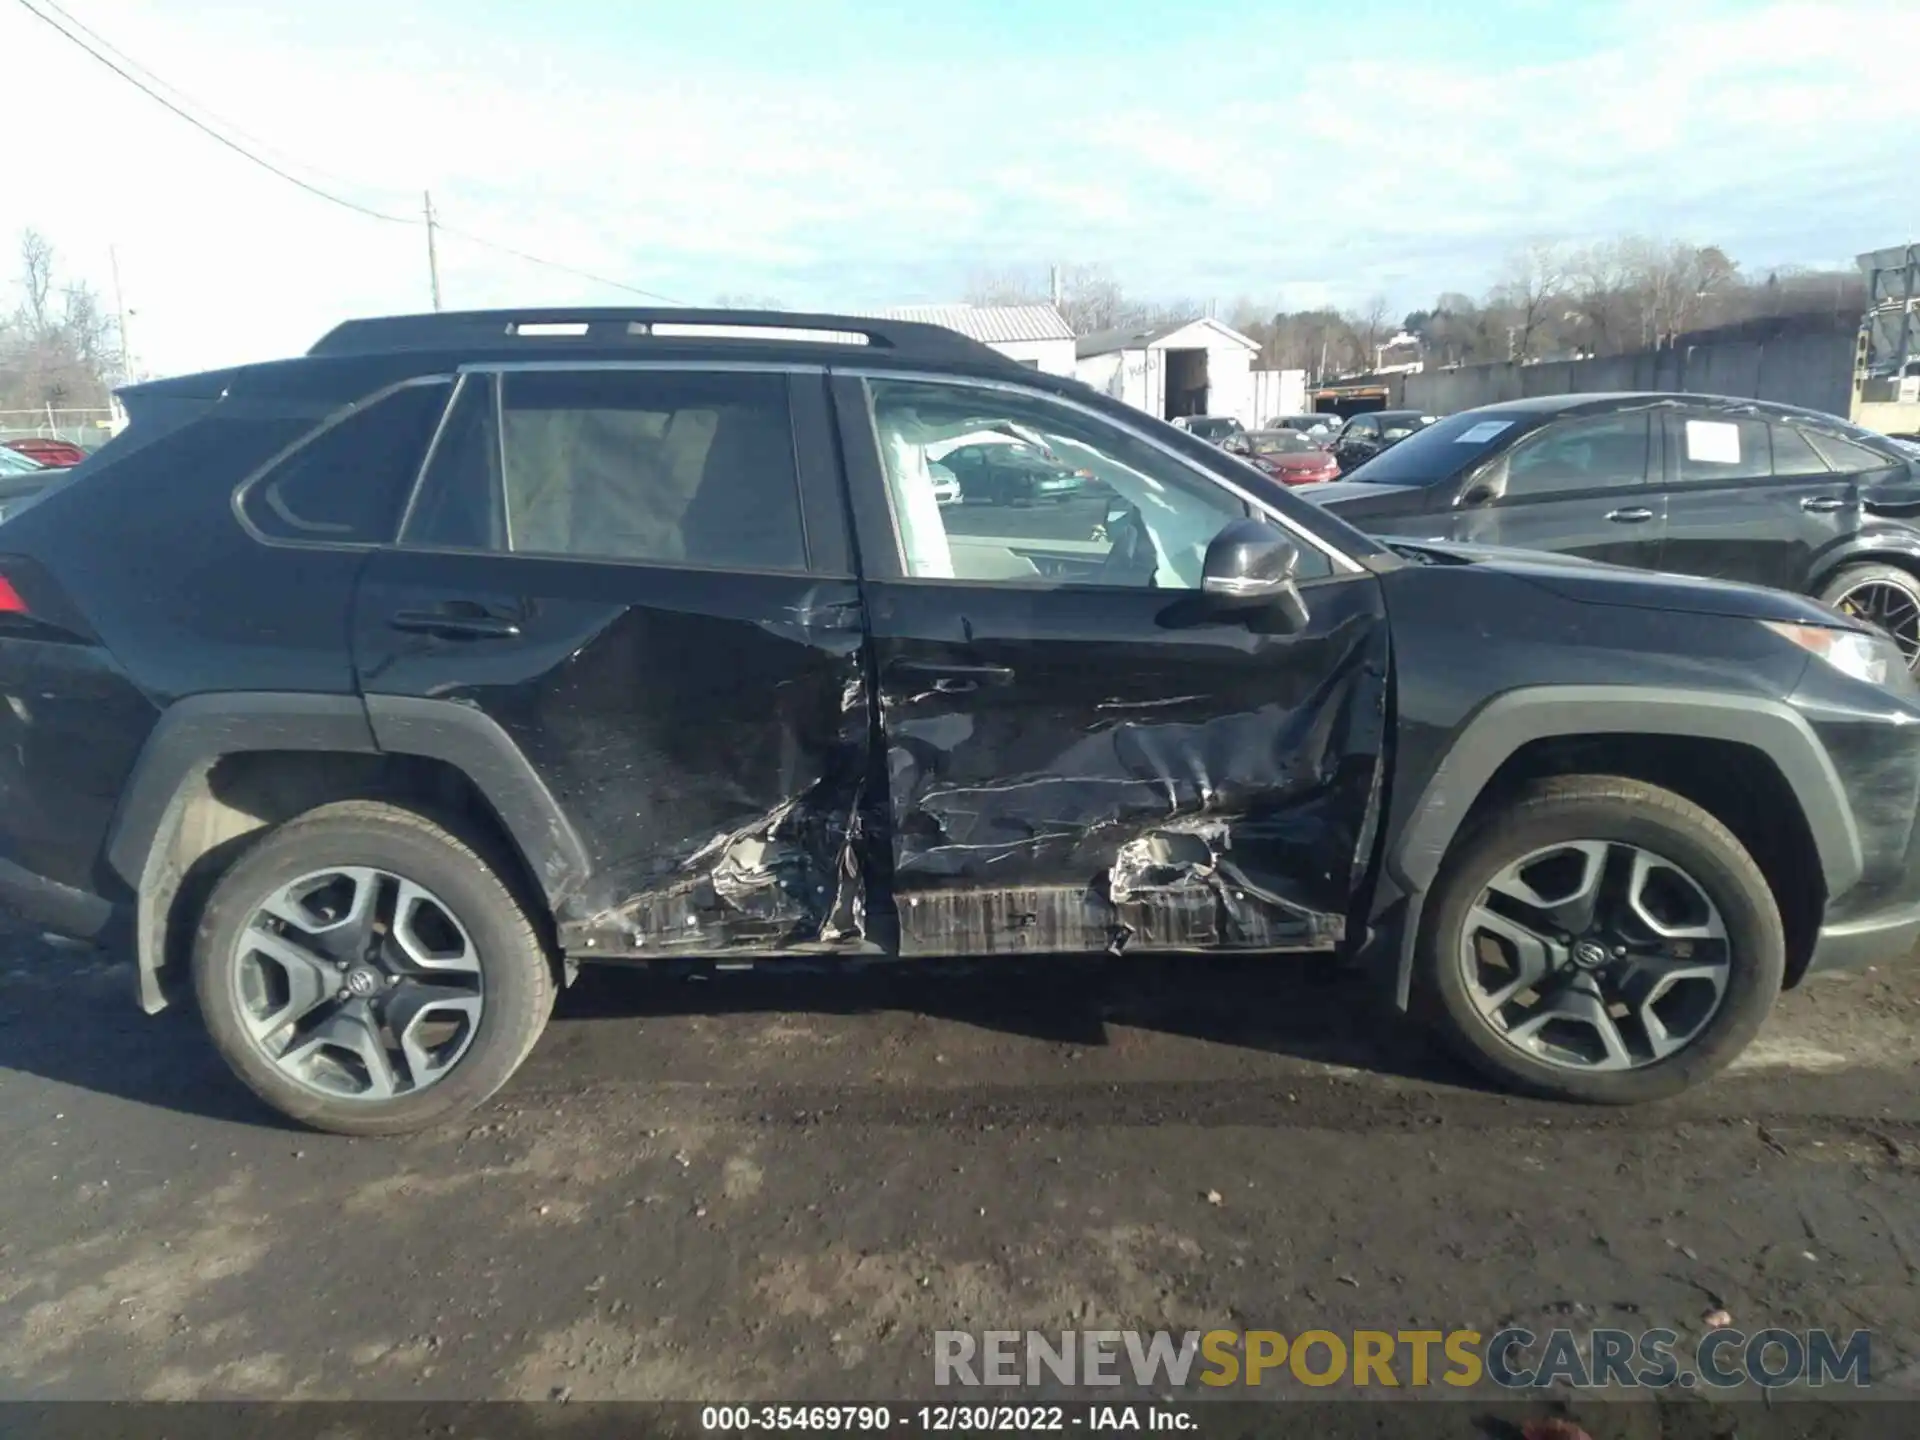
453	625
1632	515
1821	504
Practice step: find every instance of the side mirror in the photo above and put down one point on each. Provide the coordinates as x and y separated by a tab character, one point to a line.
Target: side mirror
1249	567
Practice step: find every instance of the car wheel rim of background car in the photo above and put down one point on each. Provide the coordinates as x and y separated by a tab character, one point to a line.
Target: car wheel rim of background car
357	984
1888	606
1595	955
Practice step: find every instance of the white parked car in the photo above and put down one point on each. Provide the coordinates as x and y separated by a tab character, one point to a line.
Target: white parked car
946	485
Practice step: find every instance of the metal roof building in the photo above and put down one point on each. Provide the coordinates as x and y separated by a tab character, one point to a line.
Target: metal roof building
1036	335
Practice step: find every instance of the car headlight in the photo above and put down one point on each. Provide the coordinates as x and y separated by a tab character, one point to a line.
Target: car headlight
1875	659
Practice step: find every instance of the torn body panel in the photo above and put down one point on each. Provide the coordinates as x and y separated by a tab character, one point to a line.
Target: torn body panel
1126	776
707	734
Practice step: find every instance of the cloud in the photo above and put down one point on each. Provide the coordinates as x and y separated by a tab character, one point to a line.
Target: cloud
863	172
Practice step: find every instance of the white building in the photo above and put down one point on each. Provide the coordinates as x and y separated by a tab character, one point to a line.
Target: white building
1035	335
1199	367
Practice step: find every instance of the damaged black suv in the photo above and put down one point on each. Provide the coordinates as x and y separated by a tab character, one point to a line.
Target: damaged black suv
373	691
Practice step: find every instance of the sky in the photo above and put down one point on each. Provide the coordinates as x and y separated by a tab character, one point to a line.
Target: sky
857	153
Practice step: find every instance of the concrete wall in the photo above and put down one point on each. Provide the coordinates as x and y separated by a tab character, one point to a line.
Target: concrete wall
1815	371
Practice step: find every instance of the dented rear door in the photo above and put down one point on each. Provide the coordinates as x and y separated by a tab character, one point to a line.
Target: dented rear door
641	574
1076	759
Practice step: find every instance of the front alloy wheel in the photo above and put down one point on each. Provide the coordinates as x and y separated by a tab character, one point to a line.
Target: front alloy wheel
1595	955
1592	937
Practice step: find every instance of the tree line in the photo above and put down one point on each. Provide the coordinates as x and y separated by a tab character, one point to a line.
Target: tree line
59	346
1548	301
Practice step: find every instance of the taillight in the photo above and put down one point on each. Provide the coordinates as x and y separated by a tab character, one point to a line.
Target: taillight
10	601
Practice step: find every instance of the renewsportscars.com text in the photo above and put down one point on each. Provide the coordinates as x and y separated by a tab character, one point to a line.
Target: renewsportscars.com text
1403	1359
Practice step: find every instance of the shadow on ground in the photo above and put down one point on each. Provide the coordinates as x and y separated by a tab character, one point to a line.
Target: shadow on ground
70	1016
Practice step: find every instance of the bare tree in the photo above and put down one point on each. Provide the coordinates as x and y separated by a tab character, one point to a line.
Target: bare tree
36	283
1531	290
59	346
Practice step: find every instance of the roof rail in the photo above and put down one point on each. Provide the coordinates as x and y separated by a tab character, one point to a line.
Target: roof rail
622	328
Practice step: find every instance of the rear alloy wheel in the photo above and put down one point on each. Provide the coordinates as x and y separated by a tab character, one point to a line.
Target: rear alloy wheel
1601	939
1884	596
364	971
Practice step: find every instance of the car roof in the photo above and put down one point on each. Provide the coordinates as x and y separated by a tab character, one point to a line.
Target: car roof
358	356
1600	402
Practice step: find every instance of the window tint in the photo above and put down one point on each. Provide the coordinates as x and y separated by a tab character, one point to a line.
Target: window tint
1057	496
458	507
347	484
679	468
1844	455
1588	454
1711	447
1792	455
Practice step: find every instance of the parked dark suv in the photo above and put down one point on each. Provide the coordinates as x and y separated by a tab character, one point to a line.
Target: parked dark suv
1733	489
375	690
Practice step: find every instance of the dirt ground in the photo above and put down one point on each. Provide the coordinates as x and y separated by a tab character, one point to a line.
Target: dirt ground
778	1187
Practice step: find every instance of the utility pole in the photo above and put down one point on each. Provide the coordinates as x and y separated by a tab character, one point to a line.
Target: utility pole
433	256
120	311
1053	285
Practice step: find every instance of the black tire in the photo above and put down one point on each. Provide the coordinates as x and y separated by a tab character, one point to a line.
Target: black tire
1853	577
515	970
1590	807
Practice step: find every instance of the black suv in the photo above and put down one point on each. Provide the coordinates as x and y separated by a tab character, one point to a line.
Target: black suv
1374	433
375	690
1733	489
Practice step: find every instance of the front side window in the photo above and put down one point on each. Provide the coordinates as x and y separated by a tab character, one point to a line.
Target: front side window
1594	453
346	485
667	467
1056	496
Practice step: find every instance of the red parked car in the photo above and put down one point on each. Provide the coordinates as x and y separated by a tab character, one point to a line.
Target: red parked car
1287	455
58	454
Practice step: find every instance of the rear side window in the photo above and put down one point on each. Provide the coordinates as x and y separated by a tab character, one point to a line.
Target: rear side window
346	485
1845	456
1713	448
694	468
1793	454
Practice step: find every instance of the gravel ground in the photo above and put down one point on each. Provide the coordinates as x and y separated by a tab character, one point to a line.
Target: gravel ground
778	1187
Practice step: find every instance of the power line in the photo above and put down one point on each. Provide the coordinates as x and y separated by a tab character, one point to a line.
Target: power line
494	245
187	100
208	130
154	94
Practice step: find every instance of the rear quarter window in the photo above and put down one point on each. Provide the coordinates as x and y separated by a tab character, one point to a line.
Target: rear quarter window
347	483
1846	456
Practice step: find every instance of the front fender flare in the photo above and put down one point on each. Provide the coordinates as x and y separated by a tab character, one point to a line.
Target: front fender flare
1519	717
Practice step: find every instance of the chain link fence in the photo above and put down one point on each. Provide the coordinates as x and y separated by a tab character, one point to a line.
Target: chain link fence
89	428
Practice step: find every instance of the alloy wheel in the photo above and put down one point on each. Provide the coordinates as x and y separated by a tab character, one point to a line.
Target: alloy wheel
358	984
1595	955
1889	607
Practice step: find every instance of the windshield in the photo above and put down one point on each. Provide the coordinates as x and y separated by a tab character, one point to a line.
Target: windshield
12	462
1212	428
1439	451
1285	443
